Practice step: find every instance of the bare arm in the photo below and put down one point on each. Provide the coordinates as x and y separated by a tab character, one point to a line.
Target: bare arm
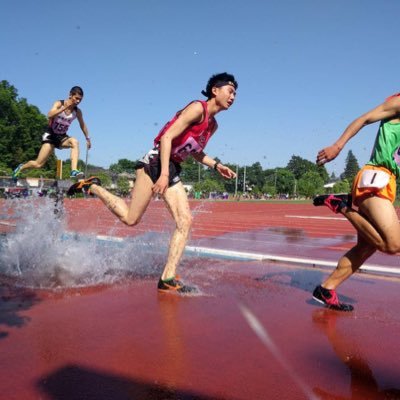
84	128
58	107
223	170
388	110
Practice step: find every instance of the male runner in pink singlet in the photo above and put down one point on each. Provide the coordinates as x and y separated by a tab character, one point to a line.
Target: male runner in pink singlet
158	171
62	114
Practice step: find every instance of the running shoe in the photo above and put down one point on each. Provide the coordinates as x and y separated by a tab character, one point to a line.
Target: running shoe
16	172
334	202
75	173
329	298
174	285
84	184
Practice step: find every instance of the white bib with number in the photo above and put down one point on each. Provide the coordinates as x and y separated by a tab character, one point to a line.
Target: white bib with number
372	178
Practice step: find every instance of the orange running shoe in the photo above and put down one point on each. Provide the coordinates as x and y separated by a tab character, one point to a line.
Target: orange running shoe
84	184
175	285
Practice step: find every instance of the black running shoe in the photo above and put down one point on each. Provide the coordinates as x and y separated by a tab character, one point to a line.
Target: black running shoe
334	202
175	286
329	298
84	184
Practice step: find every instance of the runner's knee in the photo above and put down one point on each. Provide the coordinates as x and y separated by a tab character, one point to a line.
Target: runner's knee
73	142
37	164
393	247
184	222
130	221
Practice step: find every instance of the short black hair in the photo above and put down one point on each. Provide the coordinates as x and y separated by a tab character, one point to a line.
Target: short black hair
76	90
218	78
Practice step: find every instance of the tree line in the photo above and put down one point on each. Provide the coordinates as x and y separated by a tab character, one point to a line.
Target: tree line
22	125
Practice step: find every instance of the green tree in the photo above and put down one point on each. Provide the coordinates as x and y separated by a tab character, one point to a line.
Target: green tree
285	181
21	128
299	166
207	186
310	184
342	186
269	189
123	185
255	176
192	171
123	165
351	167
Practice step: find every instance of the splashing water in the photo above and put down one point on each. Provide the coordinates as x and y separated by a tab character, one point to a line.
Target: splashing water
41	253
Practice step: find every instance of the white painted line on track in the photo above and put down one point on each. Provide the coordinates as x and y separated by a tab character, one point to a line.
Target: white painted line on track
110	238
315	217
238	255
7	223
245	256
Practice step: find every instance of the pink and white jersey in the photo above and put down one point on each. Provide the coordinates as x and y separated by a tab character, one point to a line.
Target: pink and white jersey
192	139
60	124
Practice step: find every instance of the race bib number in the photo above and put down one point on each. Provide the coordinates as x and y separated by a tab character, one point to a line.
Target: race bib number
371	178
60	129
184	150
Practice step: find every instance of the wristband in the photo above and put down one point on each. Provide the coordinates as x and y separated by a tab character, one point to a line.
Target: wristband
216	165
87	137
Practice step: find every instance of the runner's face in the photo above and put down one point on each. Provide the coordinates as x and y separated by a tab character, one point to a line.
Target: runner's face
225	96
76	98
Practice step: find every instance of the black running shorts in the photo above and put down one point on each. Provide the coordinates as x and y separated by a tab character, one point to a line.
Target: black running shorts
54	139
152	166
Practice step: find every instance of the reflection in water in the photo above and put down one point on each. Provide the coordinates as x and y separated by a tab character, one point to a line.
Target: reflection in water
363	385
292	235
13	302
174	354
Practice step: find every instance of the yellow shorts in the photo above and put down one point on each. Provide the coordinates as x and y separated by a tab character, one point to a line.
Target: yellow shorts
361	193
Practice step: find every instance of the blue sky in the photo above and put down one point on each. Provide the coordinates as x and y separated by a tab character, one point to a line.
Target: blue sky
305	69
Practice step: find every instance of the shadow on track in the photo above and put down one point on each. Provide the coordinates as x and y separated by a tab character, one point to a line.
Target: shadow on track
74	382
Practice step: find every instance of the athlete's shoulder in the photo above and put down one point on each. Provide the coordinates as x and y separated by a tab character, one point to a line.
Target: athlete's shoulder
196	105
393	96
193	111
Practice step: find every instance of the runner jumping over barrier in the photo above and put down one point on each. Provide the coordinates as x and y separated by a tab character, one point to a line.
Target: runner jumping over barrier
61	115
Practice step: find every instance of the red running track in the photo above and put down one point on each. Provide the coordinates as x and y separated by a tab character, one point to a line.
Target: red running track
253	333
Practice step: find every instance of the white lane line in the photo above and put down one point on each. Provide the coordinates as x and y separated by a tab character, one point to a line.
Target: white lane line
244	256
7	223
238	255
316	217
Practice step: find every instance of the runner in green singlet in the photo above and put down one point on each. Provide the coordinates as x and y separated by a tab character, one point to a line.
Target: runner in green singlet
373	192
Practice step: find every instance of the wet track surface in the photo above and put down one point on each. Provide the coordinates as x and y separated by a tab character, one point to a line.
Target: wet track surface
253	332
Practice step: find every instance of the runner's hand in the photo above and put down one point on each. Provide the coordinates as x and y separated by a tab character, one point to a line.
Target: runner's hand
161	185
69	102
327	154
88	143
225	171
